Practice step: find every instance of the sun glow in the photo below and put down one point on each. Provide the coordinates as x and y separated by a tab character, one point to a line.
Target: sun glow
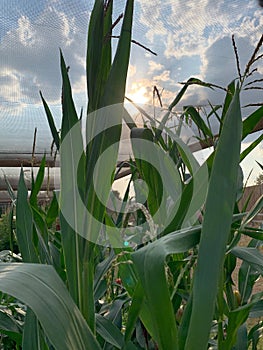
138	94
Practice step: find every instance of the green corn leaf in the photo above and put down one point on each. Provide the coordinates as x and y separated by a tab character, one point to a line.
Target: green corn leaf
216	227
242	338
197	119
97	187
131	346
176	100
179	96
40	223
190	81
255	334
101	270
106	58
257	207
250	148
251	255
187	200
39	287
236	325
10	190
71	148
109	332
115	86
147	171
115	311
70	117
134	312
257	310
9	324
184	324
247	276
102	64
24	223
51	123
251	121
52	212
57	258
228	99
261	166
31	333
192	199
236	319
38	183
70	243
150	265
94	54
253	233
128	120
41	231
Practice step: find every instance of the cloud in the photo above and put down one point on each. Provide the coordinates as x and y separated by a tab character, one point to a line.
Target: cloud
30	50
154	66
132	70
191	40
219	67
26	33
140	91
163	77
150	15
187	28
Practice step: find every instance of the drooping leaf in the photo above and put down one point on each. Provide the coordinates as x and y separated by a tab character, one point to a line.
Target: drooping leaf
8	323
251	121
250	148
41	289
251	256
257	207
150	265
109	332
197	119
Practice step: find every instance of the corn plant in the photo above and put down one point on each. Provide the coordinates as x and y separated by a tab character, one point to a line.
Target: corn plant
102	284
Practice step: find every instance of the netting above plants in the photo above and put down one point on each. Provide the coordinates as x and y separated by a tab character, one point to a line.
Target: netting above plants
188	38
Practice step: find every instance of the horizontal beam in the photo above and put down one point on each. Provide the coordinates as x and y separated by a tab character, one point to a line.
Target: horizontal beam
43	196
25	160
51	178
198	146
16	160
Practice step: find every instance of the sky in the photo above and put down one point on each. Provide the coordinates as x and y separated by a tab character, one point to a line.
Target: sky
190	39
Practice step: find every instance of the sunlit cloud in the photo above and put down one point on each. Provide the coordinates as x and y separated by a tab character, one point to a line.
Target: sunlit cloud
131	70
139	93
191	39
164	76
31	50
154	66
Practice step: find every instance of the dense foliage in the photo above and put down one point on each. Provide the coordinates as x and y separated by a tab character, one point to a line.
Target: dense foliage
166	286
